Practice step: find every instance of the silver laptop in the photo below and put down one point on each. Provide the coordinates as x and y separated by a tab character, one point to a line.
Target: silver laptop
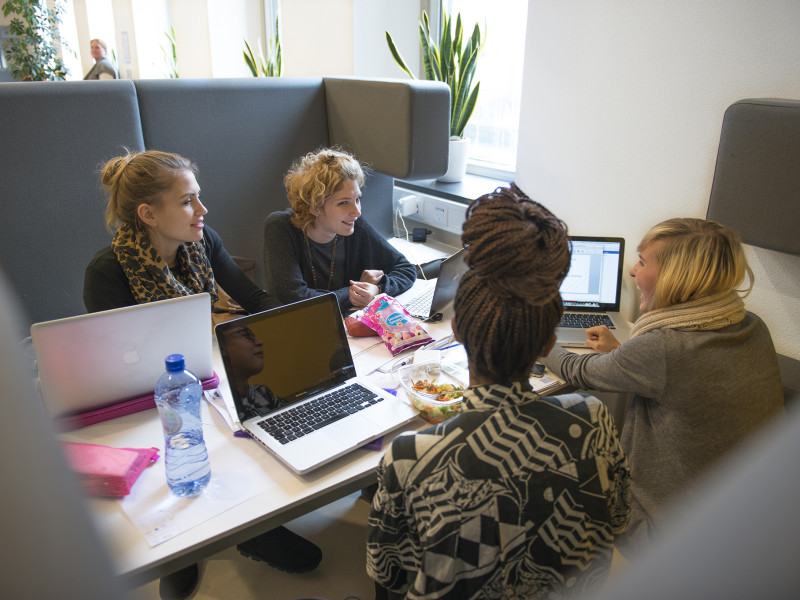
591	290
294	385
430	296
91	361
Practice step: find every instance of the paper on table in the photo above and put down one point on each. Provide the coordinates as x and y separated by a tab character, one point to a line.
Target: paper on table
160	515
544	383
417	253
216	399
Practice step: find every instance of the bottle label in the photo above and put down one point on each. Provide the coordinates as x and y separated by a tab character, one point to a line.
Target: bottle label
170	420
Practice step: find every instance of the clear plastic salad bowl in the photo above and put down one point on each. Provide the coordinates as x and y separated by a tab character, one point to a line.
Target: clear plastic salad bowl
435	389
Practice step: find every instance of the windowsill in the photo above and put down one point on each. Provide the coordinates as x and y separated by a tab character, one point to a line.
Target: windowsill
471	187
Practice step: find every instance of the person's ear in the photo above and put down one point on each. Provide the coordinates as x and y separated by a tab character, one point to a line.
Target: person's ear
146	214
548	346
453	327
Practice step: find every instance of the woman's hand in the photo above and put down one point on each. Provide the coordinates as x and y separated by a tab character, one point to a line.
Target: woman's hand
362	293
601	339
372	276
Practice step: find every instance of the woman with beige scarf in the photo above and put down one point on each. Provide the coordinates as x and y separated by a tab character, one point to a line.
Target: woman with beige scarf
702	370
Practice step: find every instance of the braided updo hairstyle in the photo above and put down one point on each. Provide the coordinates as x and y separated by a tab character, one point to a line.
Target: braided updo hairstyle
508	304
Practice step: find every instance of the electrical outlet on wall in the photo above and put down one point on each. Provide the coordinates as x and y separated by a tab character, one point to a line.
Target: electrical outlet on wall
438	215
442	214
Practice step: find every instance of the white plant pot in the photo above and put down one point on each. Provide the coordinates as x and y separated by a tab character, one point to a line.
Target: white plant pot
457	161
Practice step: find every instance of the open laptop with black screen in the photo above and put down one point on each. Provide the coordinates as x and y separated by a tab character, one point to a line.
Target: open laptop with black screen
294	384
591	290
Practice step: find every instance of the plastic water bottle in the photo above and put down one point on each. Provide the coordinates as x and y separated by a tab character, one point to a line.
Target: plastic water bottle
178	394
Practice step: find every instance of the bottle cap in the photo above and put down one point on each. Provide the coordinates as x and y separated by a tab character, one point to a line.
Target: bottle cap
174	362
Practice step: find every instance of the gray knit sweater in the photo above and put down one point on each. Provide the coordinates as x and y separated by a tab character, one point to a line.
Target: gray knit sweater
696	395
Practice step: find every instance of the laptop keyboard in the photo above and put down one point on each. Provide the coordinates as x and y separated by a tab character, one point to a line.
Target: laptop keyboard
585	320
421	304
319	412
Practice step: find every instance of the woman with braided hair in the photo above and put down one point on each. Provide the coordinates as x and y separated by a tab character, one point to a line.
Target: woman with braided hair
693	398
518	496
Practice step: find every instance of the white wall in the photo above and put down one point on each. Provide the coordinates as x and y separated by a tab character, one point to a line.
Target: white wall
621	114
190	19
230	24
372	19
317	37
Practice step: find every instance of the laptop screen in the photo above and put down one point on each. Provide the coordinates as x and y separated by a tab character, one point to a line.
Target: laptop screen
595	274
280	356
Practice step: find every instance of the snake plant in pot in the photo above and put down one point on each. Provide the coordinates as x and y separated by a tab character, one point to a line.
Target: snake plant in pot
452	60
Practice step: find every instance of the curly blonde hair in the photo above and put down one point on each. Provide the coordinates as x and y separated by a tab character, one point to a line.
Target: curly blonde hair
313	178
698	259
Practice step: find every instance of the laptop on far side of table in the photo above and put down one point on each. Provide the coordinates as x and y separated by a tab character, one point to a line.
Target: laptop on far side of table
294	386
91	361
591	290
428	297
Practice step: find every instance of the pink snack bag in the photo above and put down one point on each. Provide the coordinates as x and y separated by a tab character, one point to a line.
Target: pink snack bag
394	324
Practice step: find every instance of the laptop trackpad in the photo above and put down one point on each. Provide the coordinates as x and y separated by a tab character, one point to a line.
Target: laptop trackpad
349	432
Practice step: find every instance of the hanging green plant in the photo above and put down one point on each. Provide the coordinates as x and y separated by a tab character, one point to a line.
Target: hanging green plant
34	50
450	61
273	65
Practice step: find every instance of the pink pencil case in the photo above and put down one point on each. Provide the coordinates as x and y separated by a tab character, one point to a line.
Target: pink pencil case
107	471
126	407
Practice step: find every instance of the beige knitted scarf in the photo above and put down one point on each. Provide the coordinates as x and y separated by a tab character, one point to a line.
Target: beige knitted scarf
704	314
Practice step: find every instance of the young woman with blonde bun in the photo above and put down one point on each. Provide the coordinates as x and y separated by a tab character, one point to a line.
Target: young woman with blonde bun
162	248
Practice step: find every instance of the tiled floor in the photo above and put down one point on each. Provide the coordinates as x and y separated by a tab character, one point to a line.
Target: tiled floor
338	529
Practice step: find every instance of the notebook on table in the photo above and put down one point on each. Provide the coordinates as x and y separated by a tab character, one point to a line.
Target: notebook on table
105	364
591	290
430	296
294	386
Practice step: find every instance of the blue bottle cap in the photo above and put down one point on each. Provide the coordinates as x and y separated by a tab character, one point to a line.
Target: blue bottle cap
174	362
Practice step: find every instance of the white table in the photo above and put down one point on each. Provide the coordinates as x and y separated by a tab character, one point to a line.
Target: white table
288	497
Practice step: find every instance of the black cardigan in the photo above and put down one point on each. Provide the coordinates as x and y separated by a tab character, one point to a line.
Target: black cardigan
289	274
105	285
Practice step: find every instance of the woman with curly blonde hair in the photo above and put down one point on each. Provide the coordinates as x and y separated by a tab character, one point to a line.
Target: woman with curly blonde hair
321	244
703	371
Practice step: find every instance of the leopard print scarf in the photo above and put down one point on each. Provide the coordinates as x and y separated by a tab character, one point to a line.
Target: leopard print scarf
148	274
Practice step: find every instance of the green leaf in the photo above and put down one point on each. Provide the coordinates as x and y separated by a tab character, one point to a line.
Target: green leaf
450	59
396	55
460	123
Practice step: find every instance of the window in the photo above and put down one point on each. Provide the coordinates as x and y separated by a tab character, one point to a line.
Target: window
494	126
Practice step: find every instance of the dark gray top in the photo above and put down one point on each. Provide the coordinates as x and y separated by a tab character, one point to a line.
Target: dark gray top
105	285
289	274
102	65
696	395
